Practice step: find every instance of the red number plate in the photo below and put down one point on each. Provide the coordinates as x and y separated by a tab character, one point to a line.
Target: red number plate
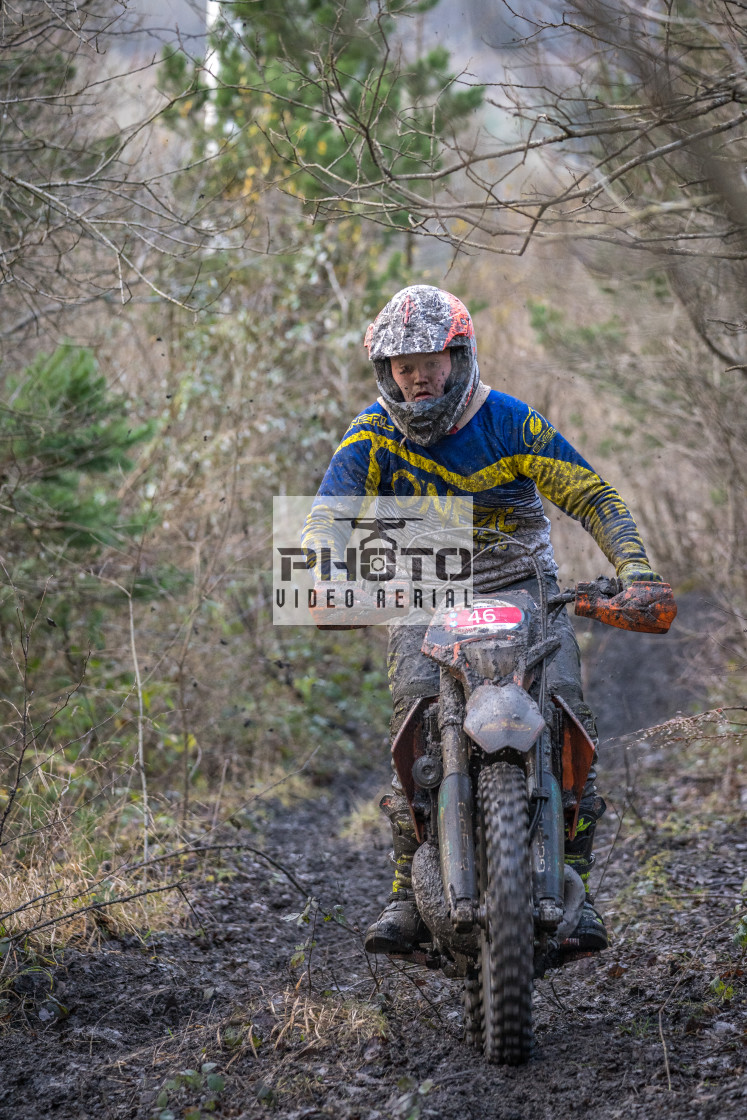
501	616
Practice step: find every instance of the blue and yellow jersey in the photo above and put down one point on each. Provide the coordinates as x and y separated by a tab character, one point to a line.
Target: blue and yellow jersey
503	458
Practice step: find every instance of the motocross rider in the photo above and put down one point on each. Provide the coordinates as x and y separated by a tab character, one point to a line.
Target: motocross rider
437	429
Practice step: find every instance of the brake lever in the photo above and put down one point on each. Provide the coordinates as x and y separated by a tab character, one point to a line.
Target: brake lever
563	597
608	586
603	585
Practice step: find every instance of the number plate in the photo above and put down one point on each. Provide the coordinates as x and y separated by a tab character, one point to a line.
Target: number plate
497	616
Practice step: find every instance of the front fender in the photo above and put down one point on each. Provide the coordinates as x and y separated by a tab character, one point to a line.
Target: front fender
499	716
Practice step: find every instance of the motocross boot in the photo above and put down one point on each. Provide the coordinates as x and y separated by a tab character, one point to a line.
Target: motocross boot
399	928
590	934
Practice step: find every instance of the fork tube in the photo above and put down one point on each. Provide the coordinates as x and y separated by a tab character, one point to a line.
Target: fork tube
548	839
455	809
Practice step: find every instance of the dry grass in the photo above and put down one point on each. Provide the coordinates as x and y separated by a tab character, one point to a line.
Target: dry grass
708	753
274	1033
366	825
45	909
68	880
308	1020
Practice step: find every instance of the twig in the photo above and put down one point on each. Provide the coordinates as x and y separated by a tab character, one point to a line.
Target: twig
556	997
195	915
218	848
621	818
216	810
312	944
94	906
403	972
140	735
31	902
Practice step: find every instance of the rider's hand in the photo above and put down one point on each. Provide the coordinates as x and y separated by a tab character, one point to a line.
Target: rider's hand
636	571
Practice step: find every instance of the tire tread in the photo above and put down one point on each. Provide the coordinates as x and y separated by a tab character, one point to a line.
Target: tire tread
507	946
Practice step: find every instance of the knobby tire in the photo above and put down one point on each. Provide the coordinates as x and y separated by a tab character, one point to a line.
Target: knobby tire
472	1007
504	980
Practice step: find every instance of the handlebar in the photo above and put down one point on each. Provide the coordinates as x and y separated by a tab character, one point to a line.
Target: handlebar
645	606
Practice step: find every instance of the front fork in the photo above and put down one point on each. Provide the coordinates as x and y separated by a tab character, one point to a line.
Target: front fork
456	810
547	835
456	815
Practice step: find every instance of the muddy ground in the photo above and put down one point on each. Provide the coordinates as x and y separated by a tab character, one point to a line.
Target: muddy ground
235	1015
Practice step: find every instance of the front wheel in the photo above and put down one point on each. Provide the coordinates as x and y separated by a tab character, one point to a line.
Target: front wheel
506	959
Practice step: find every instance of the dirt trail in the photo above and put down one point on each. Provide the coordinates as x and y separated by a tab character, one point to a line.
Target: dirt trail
219	1020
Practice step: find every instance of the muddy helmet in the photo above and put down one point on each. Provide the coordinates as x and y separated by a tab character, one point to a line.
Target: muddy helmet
422	319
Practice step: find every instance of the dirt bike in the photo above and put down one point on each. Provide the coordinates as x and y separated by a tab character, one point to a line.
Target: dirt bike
494	769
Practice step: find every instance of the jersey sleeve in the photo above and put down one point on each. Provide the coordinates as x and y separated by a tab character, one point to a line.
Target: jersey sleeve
565	478
353	473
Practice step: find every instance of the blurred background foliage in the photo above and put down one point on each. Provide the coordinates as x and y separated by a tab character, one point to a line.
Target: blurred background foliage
261	98
143	685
